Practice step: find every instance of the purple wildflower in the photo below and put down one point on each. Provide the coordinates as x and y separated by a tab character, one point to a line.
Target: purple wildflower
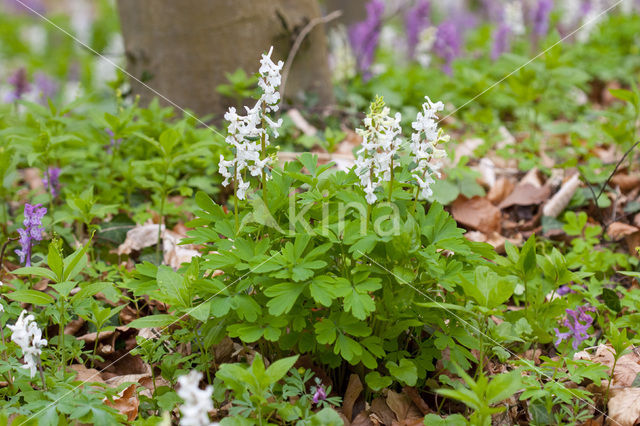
47	87
32	231
26	6
416	21
20	84
51	180
319	395
501	41
578	328
364	36
113	142
564	290
541	17
448	43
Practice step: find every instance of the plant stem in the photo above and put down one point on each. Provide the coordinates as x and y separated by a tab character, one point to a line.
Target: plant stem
163	195
44	384
61	339
235	196
613	369
95	347
6	359
391	182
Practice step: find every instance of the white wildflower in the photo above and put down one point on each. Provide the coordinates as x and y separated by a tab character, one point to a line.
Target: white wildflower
197	402
341	60
514	17
27	335
249	134
380	143
424	148
426	40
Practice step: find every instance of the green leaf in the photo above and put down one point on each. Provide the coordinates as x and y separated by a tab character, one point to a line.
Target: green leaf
503	386
74	263
278	369
283	296
451	420
611	299
359	304
160	320
54	260
406	372
488	289
172	283
376	381
31	296
37	271
200	312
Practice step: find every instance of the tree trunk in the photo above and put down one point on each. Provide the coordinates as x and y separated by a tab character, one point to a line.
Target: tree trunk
352	10
183	49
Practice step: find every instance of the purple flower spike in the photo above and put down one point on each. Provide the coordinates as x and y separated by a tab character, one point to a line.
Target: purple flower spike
578	328
564	290
501	41
364	36
541	17
20	83
47	87
113	142
32	231
319	395
416	21
51	181
448	43
26	6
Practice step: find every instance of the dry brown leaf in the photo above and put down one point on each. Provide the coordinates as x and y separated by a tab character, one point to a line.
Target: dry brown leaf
626	182
127	403
362	419
633	242
84	374
402	406
526	194
561	199
175	254
618	230
354	388
466	148
488	172
501	190
532	177
627	367
477	213
380	408
624	407
301	123
33	177
413	421
417	399
140	237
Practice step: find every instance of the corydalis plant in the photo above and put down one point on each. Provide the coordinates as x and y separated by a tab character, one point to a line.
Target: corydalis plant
578	326
27	335
424	147
31	232
365	36
380	143
197	402
51	181
250	135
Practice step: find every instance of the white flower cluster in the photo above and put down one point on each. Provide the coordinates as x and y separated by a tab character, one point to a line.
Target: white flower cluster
249	134
197	402
426	40
514	17
341	58
424	148
379	146
27	335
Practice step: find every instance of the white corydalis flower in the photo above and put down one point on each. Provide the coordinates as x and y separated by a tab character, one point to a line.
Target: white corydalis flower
424	148
380	143
514	17
249	134
27	335
197	402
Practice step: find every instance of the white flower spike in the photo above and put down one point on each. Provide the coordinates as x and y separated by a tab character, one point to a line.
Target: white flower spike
197	402
424	150
27	335
380	143
250	134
